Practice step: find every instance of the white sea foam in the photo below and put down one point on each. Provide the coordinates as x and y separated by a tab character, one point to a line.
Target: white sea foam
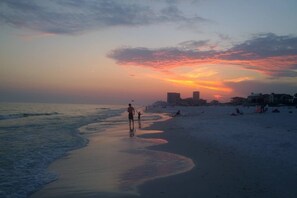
34	135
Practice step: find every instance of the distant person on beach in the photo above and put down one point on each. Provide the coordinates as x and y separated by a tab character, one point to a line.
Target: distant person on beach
131	112
139	121
177	113
238	112
139	114
263	110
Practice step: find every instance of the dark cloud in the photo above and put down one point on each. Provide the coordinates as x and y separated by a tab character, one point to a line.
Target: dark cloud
263	46
273	55
245	88
76	16
194	44
158	58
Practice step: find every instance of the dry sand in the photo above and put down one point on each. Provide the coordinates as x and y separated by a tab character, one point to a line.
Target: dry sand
250	155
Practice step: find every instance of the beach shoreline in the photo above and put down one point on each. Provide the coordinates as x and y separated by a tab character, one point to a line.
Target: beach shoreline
113	164
248	155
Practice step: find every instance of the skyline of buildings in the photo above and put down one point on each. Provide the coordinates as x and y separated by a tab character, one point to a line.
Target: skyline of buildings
174	98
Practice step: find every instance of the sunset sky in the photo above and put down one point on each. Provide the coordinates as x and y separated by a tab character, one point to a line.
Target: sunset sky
115	51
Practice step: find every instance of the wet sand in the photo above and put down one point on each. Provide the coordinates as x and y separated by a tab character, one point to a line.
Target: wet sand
113	165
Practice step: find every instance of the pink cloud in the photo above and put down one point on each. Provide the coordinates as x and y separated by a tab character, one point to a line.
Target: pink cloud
272	55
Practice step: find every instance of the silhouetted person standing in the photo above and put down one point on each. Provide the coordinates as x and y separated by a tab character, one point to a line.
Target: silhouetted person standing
139	121
139	114
131	112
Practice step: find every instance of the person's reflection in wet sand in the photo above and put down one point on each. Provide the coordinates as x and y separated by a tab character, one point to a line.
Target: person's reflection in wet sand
139	124
132	132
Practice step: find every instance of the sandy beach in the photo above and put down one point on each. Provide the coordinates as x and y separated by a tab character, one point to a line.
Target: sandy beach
206	152
249	155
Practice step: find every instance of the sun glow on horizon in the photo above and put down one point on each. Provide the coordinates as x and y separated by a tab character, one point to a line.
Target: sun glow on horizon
211	85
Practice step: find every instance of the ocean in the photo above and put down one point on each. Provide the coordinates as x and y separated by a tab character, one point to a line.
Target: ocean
34	135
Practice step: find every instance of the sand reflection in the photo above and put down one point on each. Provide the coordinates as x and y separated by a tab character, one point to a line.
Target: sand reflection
155	164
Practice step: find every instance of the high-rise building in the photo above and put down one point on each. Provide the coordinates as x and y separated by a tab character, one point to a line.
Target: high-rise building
196	95
173	98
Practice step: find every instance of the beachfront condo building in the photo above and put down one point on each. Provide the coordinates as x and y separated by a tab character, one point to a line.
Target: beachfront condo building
196	98
173	98
196	95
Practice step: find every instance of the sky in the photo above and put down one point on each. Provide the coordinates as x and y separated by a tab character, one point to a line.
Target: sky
116	51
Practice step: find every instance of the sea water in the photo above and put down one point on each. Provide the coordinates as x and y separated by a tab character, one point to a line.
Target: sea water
34	135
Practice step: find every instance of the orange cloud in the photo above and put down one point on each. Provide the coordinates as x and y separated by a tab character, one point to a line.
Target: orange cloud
240	79
269	66
211	85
